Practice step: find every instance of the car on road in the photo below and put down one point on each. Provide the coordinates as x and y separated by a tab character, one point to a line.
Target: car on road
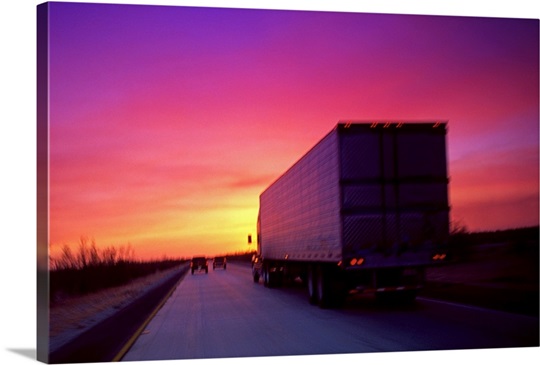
220	262
199	263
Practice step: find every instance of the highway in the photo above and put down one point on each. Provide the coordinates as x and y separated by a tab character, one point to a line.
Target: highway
225	314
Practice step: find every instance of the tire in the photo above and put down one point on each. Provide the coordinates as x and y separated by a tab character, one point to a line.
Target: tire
271	279
323	292
312	285
206	270
192	271
266	277
256	278
330	290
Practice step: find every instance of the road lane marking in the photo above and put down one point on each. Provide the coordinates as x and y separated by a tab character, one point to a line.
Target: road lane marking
468	306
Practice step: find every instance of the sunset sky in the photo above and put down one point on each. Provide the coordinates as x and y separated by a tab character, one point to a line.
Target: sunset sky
166	123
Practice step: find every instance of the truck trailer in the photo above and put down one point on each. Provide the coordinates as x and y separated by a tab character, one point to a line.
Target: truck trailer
364	210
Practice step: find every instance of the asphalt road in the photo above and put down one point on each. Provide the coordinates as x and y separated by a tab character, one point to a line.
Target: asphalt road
224	314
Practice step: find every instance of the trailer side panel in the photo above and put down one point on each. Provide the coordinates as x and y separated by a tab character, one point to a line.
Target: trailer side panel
300	212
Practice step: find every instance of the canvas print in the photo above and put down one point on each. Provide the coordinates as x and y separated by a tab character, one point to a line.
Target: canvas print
230	183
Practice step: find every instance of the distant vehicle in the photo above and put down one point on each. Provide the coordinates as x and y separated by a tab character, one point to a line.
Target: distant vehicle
199	263
220	262
365	210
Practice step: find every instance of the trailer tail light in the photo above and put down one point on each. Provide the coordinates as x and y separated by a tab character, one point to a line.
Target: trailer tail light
356	261
439	257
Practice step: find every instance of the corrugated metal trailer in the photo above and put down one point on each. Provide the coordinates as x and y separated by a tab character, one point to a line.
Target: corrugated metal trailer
365	209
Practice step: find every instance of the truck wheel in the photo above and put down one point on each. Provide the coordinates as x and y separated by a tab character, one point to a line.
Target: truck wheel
312	285
265	277
323	292
331	292
256	278
271	279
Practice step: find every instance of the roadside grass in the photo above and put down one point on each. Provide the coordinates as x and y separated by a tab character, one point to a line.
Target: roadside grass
91	270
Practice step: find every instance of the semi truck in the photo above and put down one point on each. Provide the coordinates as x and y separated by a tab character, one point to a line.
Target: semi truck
364	210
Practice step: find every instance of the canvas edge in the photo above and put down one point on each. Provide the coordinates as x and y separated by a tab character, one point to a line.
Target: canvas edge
42	183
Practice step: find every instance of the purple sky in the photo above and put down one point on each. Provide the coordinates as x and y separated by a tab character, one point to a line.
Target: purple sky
168	122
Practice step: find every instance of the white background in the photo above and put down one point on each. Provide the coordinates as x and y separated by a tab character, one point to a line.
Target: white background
18	173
